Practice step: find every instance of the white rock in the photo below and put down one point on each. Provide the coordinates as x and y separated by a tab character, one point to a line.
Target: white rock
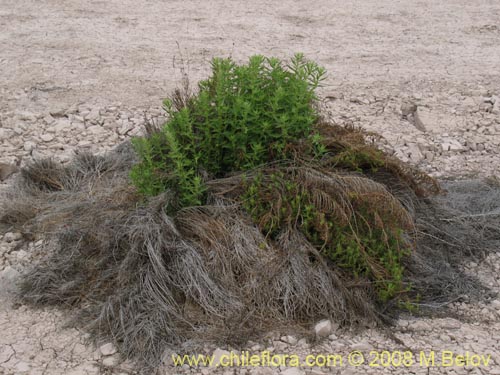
496	108
362	346
5	134
29	146
289	340
62	125
323	328
19	130
429	156
93	116
96	130
107	349
263	371
111	361
48	119
11	237
25	116
293	371
414	153
420	325
22	367
456	146
57	111
47	137
422	119
125	128
280	346
22	255
6	352
218	354
496	304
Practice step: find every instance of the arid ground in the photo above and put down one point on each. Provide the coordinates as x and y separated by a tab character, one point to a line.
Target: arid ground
83	74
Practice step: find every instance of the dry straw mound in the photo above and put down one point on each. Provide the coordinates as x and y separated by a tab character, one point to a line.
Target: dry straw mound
148	280
344	232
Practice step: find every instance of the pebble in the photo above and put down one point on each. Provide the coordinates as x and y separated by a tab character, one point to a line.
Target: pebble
111	361
323	328
293	371
218	355
108	349
47	137
12	236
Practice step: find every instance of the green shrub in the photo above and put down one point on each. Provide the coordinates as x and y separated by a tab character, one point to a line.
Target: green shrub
242	117
247	116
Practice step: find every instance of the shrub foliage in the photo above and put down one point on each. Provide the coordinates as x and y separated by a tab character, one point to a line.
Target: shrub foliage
245	117
242	117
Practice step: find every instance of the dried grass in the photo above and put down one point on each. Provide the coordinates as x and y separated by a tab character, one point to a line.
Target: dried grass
149	281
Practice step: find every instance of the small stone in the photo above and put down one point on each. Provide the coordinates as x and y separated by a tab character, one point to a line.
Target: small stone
429	156
96	130
414	153
84	144
456	146
62	125
362	346
420	325
48	119
421	119
107	349
22	255
93	116
256	348
496	108
47	137
218	354
302	343
57	111
280	346
29	146
323	328
408	109
11	237
111	361
486	107
289	340
6	170
125	128
22	367
5	134
450	324
6	352
263	371
25	116
292	371
496	304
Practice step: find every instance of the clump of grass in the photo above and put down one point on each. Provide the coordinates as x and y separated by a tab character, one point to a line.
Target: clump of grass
247	116
247	212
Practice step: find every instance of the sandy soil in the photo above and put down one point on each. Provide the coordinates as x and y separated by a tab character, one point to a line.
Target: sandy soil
74	58
128	51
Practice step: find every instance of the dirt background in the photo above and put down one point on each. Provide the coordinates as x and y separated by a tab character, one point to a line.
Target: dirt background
63	52
81	74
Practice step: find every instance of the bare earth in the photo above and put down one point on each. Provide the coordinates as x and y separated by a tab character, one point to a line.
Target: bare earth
82	74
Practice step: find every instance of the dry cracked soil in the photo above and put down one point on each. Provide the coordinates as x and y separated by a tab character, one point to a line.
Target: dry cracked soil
85	74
